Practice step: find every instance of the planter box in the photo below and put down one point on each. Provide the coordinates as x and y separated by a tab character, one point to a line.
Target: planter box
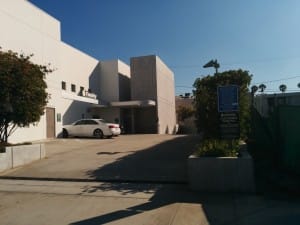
221	174
21	155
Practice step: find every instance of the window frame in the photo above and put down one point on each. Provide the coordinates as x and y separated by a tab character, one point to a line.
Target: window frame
73	87
64	85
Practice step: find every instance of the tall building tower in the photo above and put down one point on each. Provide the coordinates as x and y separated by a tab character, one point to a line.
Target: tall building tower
152	79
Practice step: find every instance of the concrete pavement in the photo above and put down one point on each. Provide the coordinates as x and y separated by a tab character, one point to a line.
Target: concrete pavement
138	158
86	203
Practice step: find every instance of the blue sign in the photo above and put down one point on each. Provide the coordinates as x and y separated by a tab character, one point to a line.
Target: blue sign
228	98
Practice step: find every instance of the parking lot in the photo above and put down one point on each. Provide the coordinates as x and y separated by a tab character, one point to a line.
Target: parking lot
135	158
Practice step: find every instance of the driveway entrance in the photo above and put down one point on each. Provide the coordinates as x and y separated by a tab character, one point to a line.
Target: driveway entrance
132	158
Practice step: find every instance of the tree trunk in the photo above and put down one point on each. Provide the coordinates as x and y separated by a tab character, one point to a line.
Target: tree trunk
5	132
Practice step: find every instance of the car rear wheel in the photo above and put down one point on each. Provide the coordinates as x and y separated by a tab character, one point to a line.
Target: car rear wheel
65	133
98	133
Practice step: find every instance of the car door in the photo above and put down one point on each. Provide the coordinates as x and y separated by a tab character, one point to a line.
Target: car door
77	129
89	127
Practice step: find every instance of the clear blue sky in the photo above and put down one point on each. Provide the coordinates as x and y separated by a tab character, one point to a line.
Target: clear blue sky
261	36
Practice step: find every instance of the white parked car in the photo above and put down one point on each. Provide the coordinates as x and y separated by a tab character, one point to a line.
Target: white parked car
88	128
114	127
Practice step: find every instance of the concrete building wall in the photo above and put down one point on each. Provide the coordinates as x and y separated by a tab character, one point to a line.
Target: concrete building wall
114	86
78	69
33	17
152	79
143	78
29	30
143	86
165	98
124	81
109	81
114	75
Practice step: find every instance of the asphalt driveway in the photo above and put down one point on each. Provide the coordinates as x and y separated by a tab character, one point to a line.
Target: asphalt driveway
135	158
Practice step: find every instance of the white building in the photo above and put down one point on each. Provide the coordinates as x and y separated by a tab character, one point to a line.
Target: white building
81	86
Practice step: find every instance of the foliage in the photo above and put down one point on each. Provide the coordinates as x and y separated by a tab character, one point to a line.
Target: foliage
282	87
23	95
207	116
262	87
254	89
218	148
184	112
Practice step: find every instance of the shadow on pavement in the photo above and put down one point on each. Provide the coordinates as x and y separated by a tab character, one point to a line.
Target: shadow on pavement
166	200
164	162
175	204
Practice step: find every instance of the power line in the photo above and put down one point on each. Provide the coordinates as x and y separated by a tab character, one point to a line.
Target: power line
272	81
262	82
183	86
237	63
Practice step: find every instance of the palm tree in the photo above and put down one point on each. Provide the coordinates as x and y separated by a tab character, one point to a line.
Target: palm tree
262	87
282	88
254	89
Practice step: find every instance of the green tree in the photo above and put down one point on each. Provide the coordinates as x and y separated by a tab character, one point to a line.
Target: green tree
23	95
207	116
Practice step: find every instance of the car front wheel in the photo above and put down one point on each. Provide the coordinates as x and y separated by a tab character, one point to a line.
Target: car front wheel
65	133
98	133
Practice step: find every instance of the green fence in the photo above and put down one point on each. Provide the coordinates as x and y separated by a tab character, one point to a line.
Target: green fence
278	136
289	123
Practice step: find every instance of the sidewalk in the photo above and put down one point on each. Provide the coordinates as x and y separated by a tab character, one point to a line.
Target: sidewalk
82	203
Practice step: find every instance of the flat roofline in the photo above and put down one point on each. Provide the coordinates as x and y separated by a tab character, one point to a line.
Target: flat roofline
127	104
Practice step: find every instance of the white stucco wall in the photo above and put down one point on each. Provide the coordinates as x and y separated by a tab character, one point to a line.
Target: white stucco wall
76	68
109	81
143	78
152	79
111	87
27	29
165	98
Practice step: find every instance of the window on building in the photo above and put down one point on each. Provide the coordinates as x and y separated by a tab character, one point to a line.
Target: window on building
63	85
81	91
73	87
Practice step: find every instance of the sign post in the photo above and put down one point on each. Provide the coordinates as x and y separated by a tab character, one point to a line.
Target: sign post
228	107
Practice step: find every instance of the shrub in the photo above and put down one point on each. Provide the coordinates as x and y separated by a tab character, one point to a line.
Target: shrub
206	101
218	148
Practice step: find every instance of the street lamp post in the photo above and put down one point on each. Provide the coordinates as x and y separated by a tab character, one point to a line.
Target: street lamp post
212	63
